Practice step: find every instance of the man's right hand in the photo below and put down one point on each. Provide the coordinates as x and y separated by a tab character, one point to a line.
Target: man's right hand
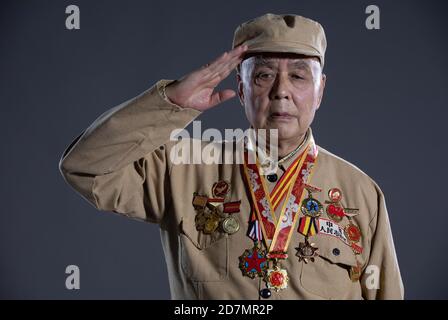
196	89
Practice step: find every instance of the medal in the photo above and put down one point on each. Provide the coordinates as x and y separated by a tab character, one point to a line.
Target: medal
253	262
277	279
355	272
335	195
311	207
276	230
230	225
335	212
306	251
352	232
200	220
211	224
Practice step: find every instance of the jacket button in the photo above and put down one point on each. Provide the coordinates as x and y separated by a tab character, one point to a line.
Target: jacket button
336	251
265	293
272	177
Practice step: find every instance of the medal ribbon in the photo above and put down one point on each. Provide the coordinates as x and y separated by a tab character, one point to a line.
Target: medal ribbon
280	230
276	196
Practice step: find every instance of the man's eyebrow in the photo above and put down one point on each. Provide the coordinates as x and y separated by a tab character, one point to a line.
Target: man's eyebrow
260	61
300	64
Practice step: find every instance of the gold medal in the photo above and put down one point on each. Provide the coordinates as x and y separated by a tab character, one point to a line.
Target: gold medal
211	224
230	225
200	220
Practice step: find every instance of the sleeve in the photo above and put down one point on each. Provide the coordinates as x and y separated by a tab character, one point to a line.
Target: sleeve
381	278
120	163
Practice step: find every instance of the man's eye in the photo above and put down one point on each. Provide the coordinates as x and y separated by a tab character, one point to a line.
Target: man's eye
297	76
264	76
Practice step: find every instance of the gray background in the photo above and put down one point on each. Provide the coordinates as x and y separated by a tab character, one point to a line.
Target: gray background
384	110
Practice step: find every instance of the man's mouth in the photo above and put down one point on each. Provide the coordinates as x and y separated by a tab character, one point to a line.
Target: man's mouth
280	116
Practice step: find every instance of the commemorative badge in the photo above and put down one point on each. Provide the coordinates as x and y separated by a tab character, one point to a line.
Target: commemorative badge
352	232
335	211
220	189
335	195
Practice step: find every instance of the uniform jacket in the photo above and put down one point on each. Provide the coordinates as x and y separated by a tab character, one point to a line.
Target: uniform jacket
121	163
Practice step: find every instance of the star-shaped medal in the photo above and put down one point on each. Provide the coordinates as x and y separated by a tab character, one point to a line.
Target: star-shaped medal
306	251
253	262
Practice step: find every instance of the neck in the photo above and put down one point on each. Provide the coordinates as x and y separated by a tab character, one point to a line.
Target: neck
287	146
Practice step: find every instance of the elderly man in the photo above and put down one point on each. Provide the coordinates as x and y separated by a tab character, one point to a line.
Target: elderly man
314	228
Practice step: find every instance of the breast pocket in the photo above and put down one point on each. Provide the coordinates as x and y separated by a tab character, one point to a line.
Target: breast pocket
204	257
329	275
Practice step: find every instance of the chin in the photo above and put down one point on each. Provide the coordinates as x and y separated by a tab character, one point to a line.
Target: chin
285	132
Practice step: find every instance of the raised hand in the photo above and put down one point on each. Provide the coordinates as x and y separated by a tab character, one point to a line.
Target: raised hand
196	90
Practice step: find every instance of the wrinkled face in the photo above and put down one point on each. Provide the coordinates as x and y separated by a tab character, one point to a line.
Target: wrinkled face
281	91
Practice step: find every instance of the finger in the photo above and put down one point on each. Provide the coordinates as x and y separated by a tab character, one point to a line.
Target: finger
222	70
234	57
227	57
222	66
228	68
221	96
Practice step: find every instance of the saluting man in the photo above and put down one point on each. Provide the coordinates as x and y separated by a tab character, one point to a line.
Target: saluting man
314	227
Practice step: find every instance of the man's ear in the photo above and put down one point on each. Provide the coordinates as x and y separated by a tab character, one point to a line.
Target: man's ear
323	80
240	88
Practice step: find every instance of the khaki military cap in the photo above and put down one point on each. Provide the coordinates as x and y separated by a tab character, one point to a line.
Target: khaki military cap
282	33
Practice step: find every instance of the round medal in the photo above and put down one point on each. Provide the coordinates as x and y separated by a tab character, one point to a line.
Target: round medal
311	207
335	194
352	232
230	225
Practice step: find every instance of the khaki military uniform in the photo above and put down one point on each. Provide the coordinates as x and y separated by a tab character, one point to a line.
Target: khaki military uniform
121	163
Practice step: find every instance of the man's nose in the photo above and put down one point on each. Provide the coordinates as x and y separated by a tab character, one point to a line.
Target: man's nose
280	88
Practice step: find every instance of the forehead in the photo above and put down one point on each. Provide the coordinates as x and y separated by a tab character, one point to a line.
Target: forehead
273	59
